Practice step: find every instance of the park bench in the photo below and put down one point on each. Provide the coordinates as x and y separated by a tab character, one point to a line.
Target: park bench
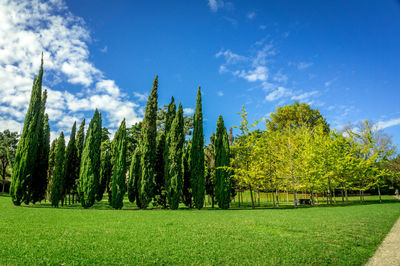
304	201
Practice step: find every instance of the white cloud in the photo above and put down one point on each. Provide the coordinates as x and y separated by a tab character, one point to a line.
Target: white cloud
304	96
188	111
104	49
220	93
262	27
142	97
29	27
388	123
231	58
215	5
304	65
277	94
260	73
251	15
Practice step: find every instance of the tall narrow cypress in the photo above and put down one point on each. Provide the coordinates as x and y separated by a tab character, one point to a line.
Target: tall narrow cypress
27	150
119	169
39	175
71	155
134	177
90	163
105	169
169	118
197	156
222	157
149	148
50	169
79	140
177	141
59	173
159	189
187	188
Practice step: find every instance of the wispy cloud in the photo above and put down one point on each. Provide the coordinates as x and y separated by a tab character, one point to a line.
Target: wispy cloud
28	28
104	49
220	93
388	123
251	15
304	65
188	111
216	5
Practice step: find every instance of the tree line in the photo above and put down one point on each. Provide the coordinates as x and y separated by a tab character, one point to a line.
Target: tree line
153	161
298	152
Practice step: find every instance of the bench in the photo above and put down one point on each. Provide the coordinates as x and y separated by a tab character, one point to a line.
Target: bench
304	201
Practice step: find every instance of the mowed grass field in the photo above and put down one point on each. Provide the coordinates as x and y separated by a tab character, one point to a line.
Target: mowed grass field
341	235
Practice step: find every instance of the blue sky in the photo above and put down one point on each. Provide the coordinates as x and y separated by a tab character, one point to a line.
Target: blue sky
342	57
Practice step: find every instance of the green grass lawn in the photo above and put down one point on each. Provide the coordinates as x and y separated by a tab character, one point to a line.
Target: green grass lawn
345	235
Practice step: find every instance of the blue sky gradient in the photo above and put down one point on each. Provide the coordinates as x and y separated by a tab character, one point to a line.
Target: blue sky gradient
342	57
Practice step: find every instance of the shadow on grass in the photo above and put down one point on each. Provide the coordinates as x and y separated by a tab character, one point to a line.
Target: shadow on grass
103	205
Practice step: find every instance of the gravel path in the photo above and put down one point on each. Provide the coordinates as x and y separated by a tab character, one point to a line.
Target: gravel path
388	252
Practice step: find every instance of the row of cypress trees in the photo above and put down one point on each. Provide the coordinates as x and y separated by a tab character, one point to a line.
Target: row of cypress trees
165	169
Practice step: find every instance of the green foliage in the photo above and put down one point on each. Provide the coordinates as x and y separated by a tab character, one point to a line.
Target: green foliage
8	147
187	187
197	179
90	163
71	155
209	155
27	150
176	138
57	188
169	118
50	169
160	189
296	115
222	160
149	148
105	168
119	169
39	176
135	177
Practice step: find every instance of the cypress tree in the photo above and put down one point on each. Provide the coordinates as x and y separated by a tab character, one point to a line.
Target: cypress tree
134	177
119	169
105	168
197	156
59	173
187	188
159	189
222	158
39	175
169	118
209	153
79	140
71	155
90	163
149	148
177	141
27	150
50	169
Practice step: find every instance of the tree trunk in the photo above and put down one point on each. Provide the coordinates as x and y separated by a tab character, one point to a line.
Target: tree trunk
360	196
312	197
273	199
252	200
379	192
277	197
258	197
4	179
287	196
212	201
334	195
342	195
347	198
